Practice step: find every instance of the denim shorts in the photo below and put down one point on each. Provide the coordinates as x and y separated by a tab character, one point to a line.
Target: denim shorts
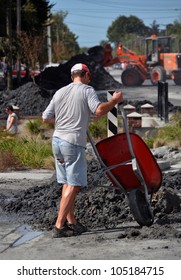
70	163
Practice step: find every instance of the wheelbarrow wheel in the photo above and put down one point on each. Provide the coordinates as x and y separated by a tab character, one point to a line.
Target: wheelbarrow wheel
140	208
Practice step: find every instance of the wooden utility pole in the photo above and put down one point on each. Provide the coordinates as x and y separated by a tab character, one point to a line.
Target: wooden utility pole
9	39
49	42
18	30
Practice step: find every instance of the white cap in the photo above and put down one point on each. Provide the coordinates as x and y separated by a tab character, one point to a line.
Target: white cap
80	66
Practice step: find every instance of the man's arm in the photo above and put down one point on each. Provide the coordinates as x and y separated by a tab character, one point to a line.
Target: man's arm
104	107
48	115
51	121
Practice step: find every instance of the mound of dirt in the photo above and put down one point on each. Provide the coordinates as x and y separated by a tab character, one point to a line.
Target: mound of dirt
30	99
98	206
33	98
57	77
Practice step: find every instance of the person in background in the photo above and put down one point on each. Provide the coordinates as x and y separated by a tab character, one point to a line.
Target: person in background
70	109
12	121
4	66
160	48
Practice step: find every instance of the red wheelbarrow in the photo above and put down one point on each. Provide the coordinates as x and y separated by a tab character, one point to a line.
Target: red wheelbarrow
131	167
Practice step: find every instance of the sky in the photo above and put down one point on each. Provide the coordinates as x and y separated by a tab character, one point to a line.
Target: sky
90	19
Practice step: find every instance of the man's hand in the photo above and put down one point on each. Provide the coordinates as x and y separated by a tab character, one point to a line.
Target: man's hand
105	107
117	97
50	121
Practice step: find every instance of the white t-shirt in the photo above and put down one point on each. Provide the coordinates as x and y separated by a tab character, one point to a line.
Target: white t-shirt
72	106
14	127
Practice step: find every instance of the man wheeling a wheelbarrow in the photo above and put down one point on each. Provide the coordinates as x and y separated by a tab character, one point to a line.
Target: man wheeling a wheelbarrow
70	110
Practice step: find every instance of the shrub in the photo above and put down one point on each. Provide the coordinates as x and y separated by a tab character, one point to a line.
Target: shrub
34	126
29	153
169	135
149	142
8	161
98	127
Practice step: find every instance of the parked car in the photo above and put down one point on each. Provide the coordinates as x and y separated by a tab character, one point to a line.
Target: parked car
15	71
23	71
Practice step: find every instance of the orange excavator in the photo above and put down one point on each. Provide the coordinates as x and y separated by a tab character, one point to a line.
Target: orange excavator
157	64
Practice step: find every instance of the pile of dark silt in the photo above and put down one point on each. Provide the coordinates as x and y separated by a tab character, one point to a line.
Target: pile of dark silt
98	206
57	77
33	98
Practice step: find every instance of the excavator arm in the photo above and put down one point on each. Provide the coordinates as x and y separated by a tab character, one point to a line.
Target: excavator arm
127	56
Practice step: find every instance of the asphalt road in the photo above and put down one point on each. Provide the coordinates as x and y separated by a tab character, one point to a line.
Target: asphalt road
147	91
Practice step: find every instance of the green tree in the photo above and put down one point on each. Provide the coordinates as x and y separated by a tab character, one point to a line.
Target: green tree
154	28
3	18
33	17
31	46
125	25
64	42
175	28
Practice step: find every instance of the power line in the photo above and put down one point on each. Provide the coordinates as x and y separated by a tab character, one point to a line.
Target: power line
85	25
95	16
133	10
95	26
145	18
124	5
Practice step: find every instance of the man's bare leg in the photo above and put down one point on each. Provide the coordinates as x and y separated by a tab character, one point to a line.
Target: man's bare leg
67	205
70	216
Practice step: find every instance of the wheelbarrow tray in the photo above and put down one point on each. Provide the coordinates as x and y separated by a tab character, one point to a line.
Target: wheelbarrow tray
115	154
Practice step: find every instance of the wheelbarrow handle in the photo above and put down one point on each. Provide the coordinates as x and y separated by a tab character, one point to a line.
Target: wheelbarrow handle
126	130
136	167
